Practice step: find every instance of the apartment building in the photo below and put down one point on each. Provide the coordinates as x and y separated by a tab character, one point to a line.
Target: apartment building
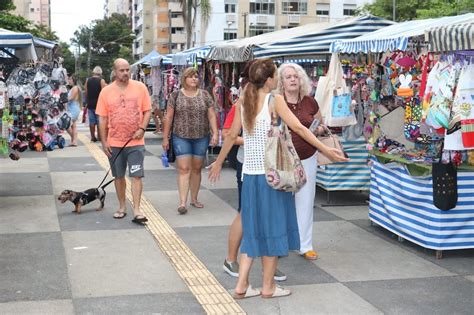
244	18
117	6
37	11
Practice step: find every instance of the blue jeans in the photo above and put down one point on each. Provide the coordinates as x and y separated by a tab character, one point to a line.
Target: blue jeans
196	148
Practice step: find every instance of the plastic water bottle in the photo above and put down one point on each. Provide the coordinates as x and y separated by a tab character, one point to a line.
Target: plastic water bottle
164	160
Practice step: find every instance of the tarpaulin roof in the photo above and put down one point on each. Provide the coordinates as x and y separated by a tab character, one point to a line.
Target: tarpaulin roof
24	44
147	58
395	37
451	37
317	37
189	56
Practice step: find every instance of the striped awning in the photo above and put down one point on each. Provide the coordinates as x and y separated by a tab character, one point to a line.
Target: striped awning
319	37
395	37
451	37
190	56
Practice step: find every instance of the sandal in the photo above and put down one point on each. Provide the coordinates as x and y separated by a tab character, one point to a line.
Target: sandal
119	215
182	210
250	292
279	292
139	219
197	204
310	255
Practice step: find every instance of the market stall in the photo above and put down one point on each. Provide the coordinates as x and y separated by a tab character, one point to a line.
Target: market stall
418	121
32	95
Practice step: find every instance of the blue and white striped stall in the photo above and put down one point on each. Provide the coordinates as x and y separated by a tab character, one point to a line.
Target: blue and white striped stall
354	175
190	56
394	37
319	36
404	205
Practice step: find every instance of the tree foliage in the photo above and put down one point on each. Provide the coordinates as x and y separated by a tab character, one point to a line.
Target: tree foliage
110	38
7	5
417	9
189	8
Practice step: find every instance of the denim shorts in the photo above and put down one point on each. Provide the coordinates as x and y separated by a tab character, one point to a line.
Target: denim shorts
93	119
190	147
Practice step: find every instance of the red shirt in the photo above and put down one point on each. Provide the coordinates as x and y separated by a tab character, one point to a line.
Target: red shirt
230	118
305	112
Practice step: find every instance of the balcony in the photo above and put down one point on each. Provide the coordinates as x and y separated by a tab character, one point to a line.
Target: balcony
294	19
262	19
230	18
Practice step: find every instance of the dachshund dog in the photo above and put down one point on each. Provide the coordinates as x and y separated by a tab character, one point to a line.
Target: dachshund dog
80	199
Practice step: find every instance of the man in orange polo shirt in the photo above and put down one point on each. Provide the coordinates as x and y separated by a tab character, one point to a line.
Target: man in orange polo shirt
124	111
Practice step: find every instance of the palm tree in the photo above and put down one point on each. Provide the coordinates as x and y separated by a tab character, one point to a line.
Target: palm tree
189	9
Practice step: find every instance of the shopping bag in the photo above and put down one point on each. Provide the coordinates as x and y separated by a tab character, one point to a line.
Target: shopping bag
334	98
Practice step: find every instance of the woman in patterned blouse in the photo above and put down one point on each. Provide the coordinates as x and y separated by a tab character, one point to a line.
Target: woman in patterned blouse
194	117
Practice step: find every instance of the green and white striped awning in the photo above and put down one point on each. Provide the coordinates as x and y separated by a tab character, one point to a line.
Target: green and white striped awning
451	37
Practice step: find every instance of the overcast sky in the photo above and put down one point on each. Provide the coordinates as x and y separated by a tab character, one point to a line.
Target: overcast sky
68	15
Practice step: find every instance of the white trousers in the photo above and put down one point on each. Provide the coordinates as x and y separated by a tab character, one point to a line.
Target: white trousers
304	202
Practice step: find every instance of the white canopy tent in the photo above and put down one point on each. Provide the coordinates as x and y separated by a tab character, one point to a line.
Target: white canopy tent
24	46
395	37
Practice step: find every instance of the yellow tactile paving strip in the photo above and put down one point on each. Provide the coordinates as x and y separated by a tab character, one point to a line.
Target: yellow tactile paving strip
202	283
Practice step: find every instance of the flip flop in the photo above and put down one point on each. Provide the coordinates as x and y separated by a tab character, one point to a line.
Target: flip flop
197	204
139	219
182	210
279	292
250	292
73	145
310	255
119	215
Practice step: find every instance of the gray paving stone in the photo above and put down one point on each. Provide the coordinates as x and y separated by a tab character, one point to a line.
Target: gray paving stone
457	261
298	270
28	165
28	214
28	154
349	253
78	181
328	298
79	151
26	184
92	220
165	179
60	307
441	295
320	214
74	164
350	213
215	211
33	267
343	197
229	195
115	263
163	303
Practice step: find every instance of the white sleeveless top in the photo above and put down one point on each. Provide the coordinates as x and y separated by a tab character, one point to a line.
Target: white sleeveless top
255	143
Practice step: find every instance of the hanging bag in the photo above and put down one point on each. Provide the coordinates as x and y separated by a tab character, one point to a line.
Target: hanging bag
170	153
334	98
283	168
445	184
331	141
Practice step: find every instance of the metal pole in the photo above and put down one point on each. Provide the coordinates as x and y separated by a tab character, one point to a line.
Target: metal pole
394	5
170	50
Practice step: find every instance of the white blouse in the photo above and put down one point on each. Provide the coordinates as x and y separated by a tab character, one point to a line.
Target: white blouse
255	143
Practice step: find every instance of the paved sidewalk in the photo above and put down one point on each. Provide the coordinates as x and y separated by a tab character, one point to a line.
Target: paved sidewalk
54	261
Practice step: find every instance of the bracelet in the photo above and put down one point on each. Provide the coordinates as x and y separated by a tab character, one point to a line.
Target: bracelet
143	129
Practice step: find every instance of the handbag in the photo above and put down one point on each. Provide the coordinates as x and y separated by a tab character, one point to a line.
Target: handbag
331	141
283	168
445	184
170	153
